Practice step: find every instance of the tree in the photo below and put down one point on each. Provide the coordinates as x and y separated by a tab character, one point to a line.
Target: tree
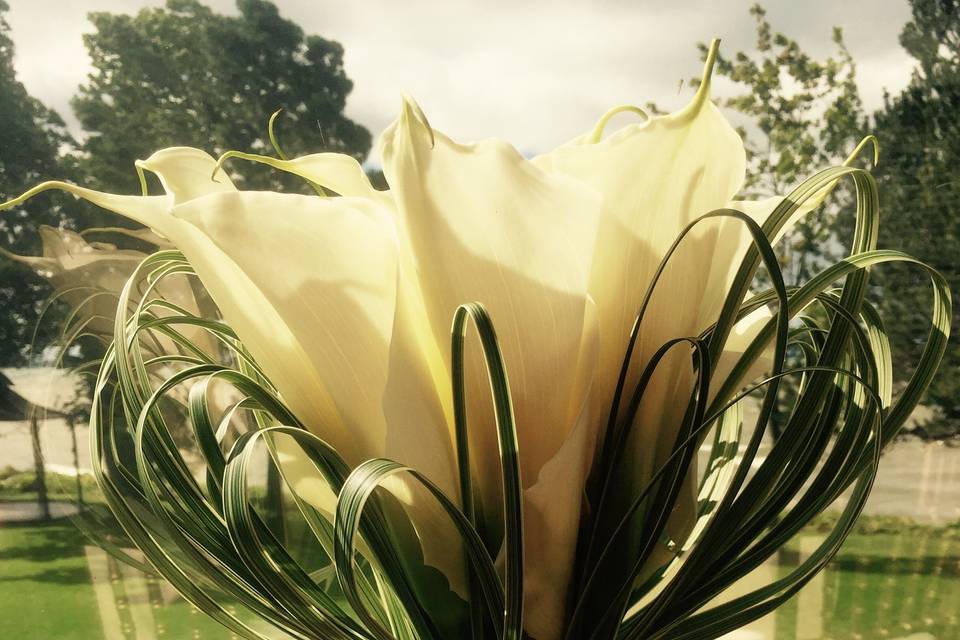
31	141
919	181
183	75
805	115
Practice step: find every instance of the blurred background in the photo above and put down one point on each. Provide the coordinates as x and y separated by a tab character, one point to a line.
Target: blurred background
89	86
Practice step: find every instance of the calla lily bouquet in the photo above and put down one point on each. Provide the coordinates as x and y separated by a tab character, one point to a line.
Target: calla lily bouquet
503	399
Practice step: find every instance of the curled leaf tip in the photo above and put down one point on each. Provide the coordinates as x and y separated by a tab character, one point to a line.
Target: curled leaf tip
867	140
272	134
597	133
266	160
141	174
221	160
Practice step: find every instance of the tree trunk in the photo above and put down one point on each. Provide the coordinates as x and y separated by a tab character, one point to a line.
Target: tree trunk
41	475
71	423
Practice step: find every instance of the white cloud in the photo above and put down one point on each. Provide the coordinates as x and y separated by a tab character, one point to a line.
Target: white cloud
535	73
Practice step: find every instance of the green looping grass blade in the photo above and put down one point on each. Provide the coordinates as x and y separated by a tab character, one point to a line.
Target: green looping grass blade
359	487
508	448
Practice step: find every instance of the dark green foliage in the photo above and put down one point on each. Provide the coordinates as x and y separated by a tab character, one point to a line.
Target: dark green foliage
919	181
179	75
184	75
31	139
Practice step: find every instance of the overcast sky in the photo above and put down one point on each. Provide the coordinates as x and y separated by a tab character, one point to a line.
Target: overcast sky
535	73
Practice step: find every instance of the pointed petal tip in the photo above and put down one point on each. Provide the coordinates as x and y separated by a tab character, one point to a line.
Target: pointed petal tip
702	96
226	155
703	92
712	51
412	115
50	234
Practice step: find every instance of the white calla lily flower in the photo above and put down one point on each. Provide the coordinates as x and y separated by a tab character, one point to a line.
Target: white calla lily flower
346	302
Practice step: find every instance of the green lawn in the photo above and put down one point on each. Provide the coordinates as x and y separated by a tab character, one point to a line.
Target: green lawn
44	584
888	585
46	592
890	580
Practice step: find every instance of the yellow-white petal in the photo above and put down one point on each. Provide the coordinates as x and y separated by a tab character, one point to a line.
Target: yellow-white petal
551	531
741	336
337	172
416	398
186	173
327	268
479	222
261	328
656	178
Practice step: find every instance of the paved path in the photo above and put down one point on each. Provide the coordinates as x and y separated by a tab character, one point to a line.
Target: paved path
916	480
30	511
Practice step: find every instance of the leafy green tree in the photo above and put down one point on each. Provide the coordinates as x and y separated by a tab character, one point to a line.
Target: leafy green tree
804	114
184	75
919	178
31	141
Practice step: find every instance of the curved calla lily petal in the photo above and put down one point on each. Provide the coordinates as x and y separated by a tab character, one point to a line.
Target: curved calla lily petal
480	222
327	267
66	251
415	397
340	173
655	178
186	174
